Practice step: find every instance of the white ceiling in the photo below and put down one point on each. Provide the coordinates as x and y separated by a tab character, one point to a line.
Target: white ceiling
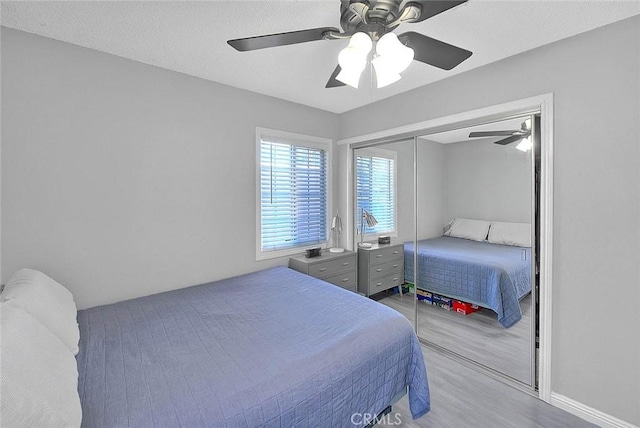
190	37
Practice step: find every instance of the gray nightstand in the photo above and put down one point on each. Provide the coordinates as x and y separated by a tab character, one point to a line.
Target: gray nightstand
336	268
380	267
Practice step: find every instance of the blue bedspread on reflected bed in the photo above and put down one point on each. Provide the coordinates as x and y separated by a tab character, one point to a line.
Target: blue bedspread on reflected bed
490	275
274	348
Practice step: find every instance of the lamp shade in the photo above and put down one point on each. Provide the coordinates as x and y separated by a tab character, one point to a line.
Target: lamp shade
386	73
392	59
369	218
524	145
390	48
353	59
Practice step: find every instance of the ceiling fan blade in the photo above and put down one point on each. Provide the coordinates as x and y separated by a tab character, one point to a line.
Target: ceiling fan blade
491	134
333	82
434	52
279	39
433	8
511	139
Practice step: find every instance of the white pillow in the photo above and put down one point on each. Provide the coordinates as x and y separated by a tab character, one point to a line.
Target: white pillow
517	234
39	380
475	230
46	301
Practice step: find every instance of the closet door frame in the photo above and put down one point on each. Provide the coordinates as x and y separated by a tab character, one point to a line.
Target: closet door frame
542	104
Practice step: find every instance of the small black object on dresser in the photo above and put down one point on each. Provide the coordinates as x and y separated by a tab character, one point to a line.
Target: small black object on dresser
312	252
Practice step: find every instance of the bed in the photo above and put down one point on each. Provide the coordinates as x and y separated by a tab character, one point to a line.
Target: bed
489	275
272	348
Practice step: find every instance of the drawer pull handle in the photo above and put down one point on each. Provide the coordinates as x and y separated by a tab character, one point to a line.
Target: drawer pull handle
395	266
378	255
323	269
378	284
378	270
345	264
345	280
395	252
395	279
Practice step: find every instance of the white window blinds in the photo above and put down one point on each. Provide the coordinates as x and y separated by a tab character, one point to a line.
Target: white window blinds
293	187
376	192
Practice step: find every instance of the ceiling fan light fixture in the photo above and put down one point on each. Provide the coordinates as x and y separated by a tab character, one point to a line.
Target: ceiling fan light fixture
390	48
386	72
353	59
364	20
351	76
524	145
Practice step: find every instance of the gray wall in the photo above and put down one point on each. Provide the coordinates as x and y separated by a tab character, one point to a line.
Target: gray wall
121	179
487	181
595	78
431	188
343	190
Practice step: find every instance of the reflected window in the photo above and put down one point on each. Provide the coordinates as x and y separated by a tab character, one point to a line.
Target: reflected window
376	189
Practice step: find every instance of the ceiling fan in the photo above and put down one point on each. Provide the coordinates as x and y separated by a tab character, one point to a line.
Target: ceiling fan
375	18
512	136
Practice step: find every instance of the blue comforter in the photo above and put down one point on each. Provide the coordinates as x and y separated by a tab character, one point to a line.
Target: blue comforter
274	348
489	275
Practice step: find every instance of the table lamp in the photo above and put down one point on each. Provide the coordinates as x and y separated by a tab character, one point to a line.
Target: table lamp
368	219
336	230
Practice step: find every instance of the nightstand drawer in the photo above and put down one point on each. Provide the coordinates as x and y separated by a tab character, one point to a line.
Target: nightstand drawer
383	255
381	284
332	267
345	280
386	269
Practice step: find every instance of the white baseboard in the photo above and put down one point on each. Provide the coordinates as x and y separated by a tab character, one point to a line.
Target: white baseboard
588	413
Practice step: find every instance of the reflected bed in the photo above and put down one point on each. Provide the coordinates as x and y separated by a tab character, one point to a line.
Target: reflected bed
489	275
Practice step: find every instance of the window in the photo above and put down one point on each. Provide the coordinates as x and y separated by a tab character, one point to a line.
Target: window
293	193
376	190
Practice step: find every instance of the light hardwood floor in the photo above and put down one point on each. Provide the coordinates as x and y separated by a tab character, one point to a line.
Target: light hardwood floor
478	336
461	397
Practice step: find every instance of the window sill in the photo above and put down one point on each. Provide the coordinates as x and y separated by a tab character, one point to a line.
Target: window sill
270	255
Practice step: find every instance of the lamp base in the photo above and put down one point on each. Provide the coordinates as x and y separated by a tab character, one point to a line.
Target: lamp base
336	250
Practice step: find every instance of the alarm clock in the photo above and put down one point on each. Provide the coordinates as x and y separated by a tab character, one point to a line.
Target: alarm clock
312	252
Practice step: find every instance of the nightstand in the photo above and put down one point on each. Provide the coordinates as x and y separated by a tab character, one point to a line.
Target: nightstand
337	268
380	267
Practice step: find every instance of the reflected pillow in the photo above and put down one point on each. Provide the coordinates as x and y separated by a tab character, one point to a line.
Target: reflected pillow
475	230
516	234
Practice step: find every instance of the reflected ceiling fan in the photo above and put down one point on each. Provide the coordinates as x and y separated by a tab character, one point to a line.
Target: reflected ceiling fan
512	136
371	21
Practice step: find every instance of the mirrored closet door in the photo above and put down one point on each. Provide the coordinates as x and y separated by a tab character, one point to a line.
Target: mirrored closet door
475	259
384	221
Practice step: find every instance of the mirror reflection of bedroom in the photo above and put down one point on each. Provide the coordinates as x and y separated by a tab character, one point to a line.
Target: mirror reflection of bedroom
385	206
475	210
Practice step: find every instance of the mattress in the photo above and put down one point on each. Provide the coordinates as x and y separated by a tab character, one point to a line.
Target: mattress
489	275
274	348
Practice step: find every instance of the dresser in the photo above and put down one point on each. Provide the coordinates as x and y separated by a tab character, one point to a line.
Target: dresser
380	267
337	268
